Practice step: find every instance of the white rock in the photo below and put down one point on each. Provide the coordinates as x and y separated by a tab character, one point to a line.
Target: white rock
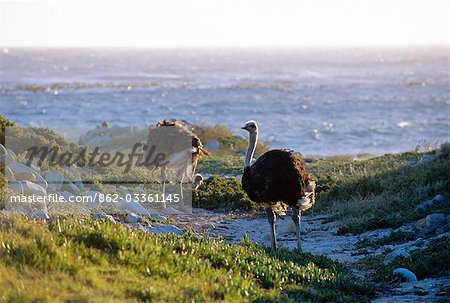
110	187
405	274
67	195
123	190
30	188
41	215
11	153
23	172
9	174
55	180
133	206
158	217
16	187
137	226
72	187
164	229
390	257
103	215
132	218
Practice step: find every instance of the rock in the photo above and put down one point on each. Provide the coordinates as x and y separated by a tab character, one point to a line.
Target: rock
23	172
94	196
137	226
123	190
158	217
132	218
172	211
70	186
67	195
16	187
431	223
133	206
405	274
9	174
55	180
25	176
427	159
30	188
41	215
138	189
7	155
438	201
110	187
390	257
164	229
103	215
212	145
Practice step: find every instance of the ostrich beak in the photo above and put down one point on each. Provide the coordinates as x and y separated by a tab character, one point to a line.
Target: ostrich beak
243	127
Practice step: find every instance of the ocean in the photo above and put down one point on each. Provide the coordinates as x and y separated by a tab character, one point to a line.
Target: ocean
314	101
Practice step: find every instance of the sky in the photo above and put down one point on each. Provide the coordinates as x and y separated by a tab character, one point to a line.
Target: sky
210	23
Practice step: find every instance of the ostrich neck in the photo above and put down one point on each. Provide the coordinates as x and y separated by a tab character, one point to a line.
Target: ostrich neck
253	139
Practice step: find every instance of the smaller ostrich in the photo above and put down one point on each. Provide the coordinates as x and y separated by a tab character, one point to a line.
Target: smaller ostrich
278	176
168	137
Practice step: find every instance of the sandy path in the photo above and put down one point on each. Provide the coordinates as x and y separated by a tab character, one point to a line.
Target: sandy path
319	237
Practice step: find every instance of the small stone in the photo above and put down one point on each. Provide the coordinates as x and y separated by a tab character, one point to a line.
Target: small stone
133	206
55	180
70	186
41	215
30	188
103	215
158	217
137	226
9	174
390	257
164	229
110	187
405	274
123	190
132	218
99	216
67	195
431	223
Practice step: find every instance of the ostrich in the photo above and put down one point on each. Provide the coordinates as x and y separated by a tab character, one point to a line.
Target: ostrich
169	141
278	176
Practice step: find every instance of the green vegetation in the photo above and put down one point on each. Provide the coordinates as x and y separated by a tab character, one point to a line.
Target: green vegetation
427	262
3	124
230	145
222	193
221	165
380	192
78	259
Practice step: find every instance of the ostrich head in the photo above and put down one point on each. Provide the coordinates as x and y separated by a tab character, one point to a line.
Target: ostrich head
198	180
251	126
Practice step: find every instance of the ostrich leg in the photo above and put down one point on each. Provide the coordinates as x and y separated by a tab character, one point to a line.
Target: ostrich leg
296	217
272	219
163	183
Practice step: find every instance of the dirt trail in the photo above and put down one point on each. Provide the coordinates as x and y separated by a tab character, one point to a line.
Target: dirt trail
319	237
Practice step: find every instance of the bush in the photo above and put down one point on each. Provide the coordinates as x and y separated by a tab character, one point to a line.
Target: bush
222	193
